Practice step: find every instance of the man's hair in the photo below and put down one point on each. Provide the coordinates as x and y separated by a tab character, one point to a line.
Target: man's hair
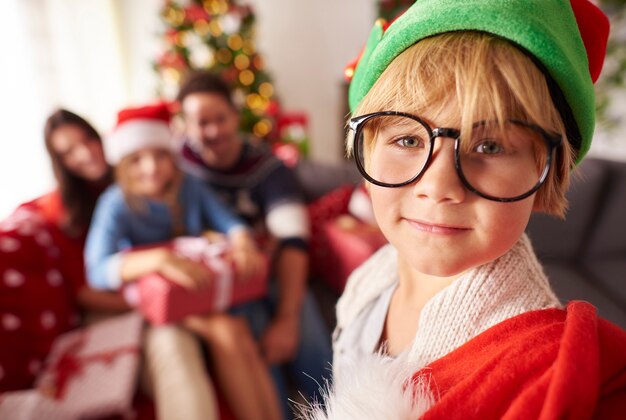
483	77
204	82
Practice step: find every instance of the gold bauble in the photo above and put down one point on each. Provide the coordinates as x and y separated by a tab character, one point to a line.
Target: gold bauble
235	42
215	28
253	101
246	77
215	7
266	89
201	27
174	17
242	62
262	128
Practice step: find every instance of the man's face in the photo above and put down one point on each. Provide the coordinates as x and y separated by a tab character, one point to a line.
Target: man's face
212	124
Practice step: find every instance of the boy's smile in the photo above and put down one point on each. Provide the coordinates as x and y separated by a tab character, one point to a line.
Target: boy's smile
436	228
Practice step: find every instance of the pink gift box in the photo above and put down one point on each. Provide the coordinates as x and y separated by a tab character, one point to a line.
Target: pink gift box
162	301
30	404
90	373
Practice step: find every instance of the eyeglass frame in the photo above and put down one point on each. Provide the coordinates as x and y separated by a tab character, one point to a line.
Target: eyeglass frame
552	140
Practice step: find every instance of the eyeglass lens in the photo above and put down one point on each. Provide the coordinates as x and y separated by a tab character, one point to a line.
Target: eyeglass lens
501	161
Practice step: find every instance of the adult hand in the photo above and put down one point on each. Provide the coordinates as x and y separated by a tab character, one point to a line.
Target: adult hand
187	273
245	255
279	341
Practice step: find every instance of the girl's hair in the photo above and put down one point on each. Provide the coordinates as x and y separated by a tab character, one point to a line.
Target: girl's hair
137	204
77	194
482	77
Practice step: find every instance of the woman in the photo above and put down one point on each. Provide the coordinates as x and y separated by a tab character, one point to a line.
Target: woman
40	301
82	173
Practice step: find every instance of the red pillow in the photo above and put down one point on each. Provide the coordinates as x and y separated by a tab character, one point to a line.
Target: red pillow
35	304
325	208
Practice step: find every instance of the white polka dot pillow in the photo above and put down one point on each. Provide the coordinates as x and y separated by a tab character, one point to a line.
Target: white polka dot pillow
35	304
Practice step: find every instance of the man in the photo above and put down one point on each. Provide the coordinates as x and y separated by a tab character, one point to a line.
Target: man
266	194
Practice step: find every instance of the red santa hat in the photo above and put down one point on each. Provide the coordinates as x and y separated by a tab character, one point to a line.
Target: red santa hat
138	128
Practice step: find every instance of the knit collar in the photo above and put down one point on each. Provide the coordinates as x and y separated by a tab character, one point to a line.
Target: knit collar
481	298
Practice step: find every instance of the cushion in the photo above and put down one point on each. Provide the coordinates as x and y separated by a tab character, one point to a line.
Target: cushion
568	285
608	238
609	275
326	208
554	238
35	304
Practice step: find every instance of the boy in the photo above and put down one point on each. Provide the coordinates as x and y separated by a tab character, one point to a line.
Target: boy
468	116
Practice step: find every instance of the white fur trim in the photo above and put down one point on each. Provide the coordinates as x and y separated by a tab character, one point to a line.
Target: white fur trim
289	220
134	135
375	388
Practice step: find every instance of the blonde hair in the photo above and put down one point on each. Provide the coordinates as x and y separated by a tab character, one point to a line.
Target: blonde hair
138	204
490	79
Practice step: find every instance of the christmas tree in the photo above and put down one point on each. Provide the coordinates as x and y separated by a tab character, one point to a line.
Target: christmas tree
218	36
390	9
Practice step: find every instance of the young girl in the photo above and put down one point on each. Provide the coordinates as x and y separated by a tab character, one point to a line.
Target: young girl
152	202
468	116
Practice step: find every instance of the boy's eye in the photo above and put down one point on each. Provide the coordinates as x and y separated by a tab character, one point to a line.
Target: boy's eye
489	147
410	142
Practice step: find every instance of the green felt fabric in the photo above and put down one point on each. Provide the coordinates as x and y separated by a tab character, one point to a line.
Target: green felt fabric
545	28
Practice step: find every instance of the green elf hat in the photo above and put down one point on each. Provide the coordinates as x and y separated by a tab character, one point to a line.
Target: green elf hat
566	38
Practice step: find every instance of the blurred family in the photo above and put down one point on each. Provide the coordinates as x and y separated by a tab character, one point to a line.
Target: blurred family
119	199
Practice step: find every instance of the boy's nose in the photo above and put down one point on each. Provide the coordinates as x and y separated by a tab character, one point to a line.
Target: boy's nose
440	182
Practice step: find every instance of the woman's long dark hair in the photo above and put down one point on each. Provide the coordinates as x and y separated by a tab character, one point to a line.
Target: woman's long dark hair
77	194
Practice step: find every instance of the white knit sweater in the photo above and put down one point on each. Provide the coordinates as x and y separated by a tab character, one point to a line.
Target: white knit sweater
481	298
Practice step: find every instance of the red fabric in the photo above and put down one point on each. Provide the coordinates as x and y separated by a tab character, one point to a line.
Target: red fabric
547	364
36	303
350	243
159	112
71	260
593	25
322	210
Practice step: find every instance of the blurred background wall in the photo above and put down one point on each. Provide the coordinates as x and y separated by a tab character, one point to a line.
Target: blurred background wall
95	57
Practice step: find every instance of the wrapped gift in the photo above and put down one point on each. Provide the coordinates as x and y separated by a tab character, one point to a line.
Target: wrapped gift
350	242
89	373
162	301
31	404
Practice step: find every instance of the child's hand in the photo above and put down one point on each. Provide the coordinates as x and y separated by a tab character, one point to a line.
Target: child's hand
245	255
187	273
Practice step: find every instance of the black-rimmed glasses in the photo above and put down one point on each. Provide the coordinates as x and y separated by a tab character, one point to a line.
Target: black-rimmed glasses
500	162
